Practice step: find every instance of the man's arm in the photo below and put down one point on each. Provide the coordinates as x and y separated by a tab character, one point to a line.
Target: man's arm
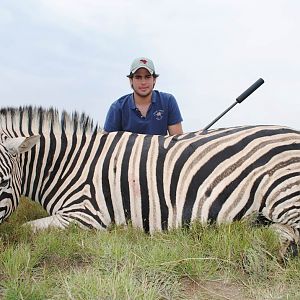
174	117
175	129
113	119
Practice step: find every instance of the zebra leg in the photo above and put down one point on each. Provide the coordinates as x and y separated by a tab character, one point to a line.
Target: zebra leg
55	221
289	240
83	214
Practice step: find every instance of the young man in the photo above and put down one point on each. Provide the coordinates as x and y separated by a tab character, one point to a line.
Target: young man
146	110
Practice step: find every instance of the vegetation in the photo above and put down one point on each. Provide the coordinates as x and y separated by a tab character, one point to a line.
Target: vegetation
234	261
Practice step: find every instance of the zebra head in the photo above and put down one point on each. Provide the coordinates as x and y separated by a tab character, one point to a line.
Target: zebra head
10	171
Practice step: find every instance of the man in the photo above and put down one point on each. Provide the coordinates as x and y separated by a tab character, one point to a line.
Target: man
146	110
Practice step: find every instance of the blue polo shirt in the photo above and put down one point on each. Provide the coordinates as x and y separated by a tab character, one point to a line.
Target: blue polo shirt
123	115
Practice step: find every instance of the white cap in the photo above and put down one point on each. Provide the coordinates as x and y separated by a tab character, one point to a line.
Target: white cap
142	62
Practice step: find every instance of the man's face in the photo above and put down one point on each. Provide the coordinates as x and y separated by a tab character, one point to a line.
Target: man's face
142	82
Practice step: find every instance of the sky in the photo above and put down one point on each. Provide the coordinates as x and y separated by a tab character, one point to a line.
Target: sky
74	55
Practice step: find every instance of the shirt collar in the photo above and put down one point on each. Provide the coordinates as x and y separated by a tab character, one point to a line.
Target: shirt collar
132	104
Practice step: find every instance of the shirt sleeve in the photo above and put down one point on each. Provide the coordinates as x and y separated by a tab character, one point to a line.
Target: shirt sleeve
174	115
113	121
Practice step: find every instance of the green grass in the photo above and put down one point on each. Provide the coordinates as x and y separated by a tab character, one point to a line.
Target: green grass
234	261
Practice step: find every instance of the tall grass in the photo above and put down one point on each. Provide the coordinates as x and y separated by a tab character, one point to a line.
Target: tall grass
233	261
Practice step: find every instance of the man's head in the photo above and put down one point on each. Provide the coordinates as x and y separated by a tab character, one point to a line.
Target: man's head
142	76
142	62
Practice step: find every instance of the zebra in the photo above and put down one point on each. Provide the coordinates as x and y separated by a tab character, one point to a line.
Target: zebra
80	174
10	172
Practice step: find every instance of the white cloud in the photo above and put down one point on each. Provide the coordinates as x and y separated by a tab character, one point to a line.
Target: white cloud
6	18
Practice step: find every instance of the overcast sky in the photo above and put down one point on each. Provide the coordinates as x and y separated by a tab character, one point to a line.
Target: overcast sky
75	55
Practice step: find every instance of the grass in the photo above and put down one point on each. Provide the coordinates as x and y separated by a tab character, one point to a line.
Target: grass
234	261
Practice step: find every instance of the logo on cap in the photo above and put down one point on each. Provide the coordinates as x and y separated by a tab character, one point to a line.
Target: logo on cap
142	62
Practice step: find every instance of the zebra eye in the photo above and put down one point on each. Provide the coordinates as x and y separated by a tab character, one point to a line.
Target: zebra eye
4	183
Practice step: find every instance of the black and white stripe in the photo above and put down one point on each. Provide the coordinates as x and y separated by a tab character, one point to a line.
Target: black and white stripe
78	173
10	171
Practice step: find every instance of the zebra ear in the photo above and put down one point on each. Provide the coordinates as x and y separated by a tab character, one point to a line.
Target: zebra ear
21	144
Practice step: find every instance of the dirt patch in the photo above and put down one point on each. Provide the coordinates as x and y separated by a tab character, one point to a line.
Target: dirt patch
2	277
213	290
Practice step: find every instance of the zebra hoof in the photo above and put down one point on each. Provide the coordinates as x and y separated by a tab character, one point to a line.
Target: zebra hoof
293	249
287	252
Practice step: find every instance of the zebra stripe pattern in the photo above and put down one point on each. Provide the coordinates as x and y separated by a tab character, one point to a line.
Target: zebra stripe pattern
80	174
10	171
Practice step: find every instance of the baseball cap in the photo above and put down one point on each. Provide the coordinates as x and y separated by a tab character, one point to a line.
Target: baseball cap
142	62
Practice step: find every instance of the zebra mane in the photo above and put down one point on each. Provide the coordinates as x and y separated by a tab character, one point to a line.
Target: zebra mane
38	119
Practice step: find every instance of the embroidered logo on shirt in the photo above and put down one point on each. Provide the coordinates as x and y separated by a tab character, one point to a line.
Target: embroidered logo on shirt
158	114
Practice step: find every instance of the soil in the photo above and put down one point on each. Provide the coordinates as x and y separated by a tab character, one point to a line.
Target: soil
214	290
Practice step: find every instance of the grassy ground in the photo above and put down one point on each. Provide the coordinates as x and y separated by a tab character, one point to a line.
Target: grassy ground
228	262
